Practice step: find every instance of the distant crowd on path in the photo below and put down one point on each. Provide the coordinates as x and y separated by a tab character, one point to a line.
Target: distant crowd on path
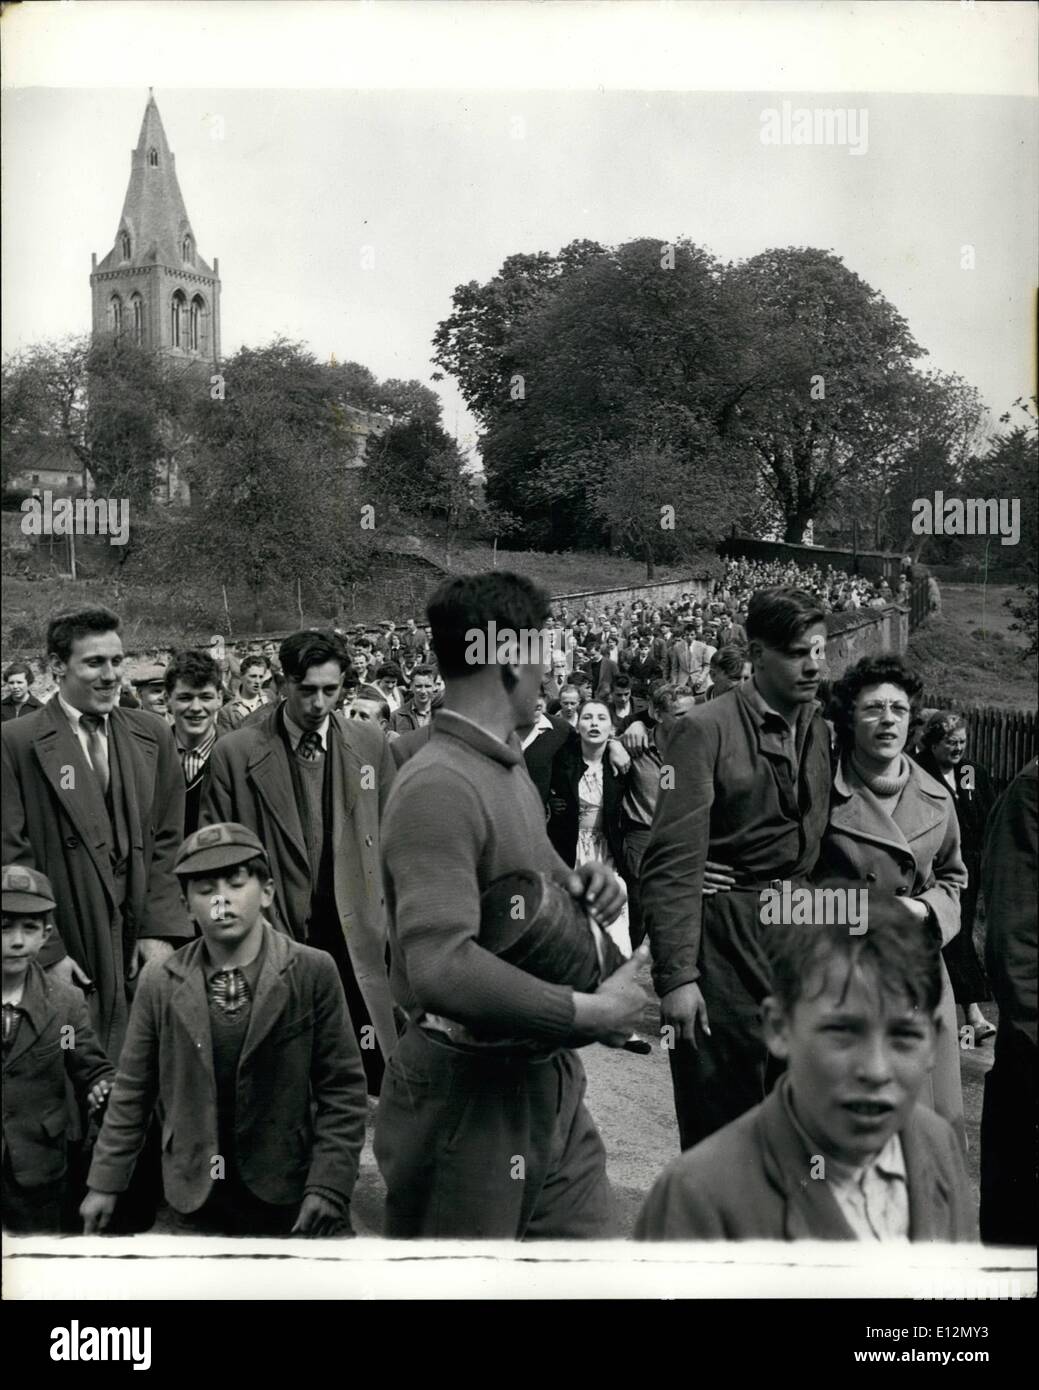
286	849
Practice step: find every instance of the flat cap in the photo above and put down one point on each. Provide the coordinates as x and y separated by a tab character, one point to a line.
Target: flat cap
148	673
25	890
217	847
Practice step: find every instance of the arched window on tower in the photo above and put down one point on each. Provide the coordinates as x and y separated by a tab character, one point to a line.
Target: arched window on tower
153	158
124	245
137	314
198	310
177	308
187	251
115	315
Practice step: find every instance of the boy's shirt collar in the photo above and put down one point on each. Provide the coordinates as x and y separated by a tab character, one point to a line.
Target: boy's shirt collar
873	1197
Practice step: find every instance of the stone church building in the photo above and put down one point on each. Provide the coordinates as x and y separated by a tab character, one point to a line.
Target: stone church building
153	284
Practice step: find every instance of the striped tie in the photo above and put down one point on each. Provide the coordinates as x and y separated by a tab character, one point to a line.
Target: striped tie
229	991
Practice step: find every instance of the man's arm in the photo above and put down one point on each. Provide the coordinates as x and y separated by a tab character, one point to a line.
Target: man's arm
338	1090
165	914
671	881
433	839
1008	882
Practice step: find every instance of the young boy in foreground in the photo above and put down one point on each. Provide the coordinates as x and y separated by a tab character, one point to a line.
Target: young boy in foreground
839	1150
46	1039
244	1040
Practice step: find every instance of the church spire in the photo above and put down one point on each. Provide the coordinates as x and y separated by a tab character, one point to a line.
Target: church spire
153	281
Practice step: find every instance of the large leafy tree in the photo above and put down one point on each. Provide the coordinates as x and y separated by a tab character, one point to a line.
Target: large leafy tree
593	354
270	507
833	360
121	412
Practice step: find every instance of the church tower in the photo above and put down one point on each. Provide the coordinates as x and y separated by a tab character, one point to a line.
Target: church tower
153	285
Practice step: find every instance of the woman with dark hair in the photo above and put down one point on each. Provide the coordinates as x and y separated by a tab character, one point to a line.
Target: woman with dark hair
943	746
893	829
585	802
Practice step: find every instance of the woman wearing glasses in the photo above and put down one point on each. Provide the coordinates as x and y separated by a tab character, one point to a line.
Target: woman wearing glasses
893	830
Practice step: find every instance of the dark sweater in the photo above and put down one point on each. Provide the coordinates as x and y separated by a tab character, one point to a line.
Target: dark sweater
462	813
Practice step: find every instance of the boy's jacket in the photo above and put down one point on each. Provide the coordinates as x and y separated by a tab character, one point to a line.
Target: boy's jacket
752	1181
36	1114
301	1097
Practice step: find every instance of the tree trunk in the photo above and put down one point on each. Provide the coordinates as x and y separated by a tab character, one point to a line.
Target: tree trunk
796	524
647	550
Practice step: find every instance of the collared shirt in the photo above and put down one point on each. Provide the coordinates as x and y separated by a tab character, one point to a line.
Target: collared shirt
193	760
295	733
793	738
874	1197
75	718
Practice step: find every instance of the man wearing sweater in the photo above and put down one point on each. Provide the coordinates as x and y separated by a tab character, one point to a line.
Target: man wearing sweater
482	1129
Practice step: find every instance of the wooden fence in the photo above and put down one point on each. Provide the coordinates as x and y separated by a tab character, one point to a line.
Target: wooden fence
1001	741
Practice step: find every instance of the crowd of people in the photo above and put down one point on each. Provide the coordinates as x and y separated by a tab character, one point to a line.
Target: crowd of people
253	884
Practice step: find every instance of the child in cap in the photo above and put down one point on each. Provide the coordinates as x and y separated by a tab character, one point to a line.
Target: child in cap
840	1149
46	1039
243	1039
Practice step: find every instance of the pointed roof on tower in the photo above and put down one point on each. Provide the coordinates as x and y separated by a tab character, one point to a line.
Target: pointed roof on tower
153	213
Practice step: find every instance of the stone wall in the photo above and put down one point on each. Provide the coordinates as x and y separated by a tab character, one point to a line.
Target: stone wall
875	564
862	633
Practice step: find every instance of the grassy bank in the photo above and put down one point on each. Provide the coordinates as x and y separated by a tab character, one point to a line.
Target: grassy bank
969	653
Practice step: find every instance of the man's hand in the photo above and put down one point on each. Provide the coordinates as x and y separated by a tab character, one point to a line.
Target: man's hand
680	1010
149	948
635	737
717	878
601	891
98	1094
69	973
615	1010
96	1210
619	759
318	1216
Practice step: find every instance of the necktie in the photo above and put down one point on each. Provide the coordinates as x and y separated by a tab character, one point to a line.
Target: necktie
309	746
93	723
229	990
12	1016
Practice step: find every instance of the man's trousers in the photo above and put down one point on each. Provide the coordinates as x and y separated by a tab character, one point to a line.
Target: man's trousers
731	1071
477	1144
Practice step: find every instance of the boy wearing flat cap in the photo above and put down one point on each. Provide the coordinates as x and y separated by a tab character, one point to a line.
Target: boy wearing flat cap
243	1040
46	1039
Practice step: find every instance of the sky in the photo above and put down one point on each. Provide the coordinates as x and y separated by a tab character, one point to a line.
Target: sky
345	218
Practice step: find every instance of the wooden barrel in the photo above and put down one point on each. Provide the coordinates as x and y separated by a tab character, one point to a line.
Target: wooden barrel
531	921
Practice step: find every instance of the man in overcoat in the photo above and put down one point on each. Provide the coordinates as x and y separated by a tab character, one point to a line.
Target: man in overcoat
93	797
312	785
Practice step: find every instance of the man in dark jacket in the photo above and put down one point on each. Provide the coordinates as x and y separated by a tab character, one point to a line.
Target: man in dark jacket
1008	1125
19	699
750	790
